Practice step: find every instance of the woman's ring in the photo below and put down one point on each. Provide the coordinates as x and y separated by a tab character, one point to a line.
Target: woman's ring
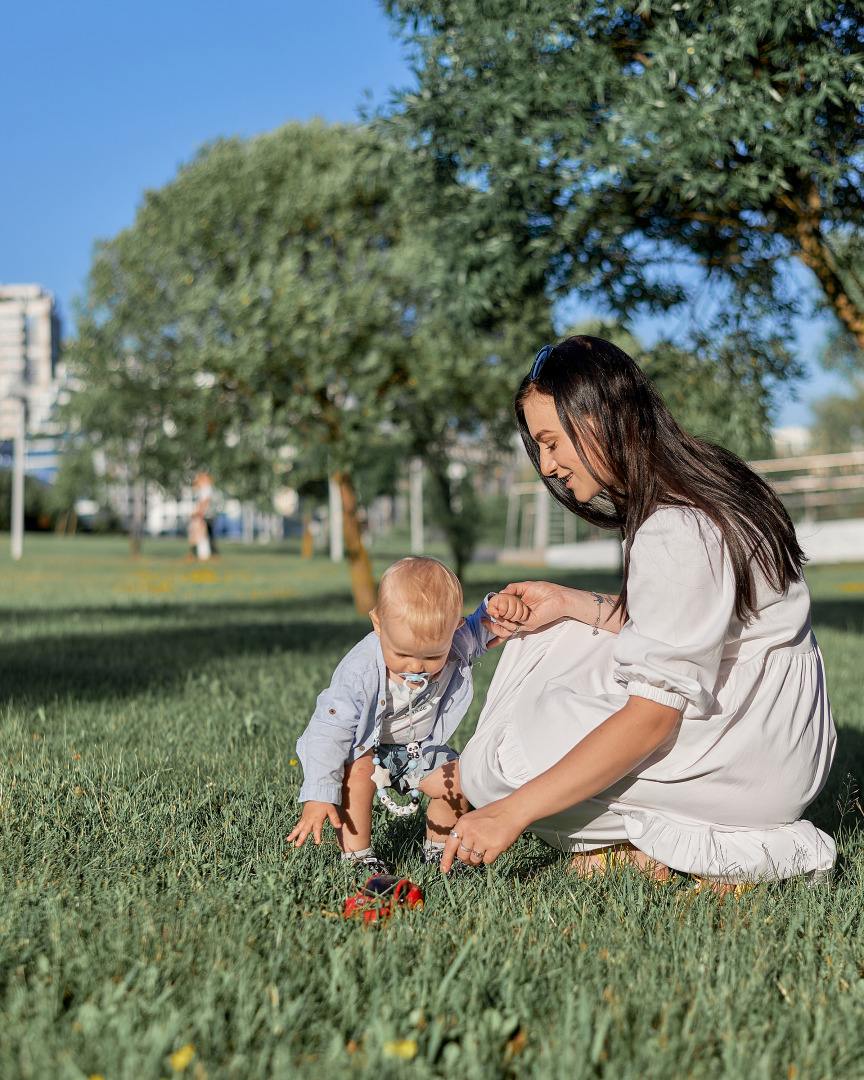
455	834
463	848
478	854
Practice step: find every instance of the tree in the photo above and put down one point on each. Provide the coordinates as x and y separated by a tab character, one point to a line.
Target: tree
839	421
126	377
76	479
280	295
717	396
620	145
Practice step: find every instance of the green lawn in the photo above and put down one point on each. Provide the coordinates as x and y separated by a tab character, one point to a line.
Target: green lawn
148	902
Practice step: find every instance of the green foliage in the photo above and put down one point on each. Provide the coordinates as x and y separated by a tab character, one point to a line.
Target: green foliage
839	421
76	478
721	399
282	293
253	304
147	900
716	394
633	149
455	508
37	502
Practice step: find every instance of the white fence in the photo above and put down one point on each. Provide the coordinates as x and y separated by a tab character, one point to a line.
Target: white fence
824	494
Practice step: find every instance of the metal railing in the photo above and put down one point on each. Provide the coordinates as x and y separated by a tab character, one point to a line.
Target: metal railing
807	485
821	481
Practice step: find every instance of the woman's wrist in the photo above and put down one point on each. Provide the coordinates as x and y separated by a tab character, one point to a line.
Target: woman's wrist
569	603
582	605
521	808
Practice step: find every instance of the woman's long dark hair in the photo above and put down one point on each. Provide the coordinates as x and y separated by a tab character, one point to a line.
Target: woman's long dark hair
607	405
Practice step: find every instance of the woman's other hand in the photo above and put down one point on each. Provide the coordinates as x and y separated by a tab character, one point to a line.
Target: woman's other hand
481	835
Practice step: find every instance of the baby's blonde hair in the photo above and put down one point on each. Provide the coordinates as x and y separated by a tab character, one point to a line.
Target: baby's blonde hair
425	593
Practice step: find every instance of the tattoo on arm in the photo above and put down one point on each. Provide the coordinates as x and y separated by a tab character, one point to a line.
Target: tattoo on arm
601	599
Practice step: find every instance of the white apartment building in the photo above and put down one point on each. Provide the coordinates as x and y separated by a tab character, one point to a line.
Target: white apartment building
30	367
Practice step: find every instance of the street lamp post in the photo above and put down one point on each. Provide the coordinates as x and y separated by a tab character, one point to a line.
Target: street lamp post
415	502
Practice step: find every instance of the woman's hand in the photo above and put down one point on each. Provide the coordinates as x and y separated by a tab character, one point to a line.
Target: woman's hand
312	820
481	835
546	601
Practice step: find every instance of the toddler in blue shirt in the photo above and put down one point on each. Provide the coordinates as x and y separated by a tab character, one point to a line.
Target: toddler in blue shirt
397	697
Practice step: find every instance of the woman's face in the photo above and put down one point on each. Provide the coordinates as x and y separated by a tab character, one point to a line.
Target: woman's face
558	456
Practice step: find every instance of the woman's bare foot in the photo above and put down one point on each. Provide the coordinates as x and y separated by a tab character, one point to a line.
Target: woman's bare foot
723	888
588	863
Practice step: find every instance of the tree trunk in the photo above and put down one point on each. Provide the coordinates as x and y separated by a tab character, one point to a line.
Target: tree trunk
818	256
139	516
460	522
307	547
362	581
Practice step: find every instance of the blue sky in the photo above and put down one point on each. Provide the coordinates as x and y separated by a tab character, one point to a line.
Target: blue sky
103	100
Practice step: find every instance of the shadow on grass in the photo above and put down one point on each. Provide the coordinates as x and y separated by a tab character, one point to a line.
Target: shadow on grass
839	613
836	804
99	666
203	610
61	657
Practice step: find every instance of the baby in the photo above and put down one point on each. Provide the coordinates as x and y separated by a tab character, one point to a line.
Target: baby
393	703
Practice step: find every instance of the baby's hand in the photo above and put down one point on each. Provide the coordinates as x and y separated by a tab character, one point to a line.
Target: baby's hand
312	820
508	608
509	612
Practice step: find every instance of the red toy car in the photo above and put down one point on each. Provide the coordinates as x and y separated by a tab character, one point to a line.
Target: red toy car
380	895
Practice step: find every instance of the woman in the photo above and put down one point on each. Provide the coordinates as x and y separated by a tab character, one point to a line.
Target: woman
686	721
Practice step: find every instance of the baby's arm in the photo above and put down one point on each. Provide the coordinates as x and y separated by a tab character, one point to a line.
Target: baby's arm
324	749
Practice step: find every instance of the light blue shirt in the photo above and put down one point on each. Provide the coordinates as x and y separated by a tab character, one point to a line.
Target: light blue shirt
348	716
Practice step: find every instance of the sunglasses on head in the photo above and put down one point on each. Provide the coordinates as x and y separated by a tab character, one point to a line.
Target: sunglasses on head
539	360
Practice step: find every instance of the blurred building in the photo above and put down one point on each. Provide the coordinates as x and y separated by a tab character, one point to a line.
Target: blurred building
30	369
791	441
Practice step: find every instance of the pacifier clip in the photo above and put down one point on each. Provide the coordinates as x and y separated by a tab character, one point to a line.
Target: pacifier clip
416	769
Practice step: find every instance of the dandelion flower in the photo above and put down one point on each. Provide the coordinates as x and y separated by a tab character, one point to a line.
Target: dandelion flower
403	1048
182	1057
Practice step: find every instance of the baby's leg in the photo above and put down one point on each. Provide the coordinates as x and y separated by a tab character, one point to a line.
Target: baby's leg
358	792
447	803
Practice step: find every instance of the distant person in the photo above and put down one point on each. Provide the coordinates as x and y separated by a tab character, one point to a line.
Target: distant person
683	724
397	697
199	541
203	485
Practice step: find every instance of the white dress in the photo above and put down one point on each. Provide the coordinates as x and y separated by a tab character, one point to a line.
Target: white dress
723	796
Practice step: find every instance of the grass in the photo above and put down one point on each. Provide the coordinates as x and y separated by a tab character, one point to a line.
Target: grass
148	902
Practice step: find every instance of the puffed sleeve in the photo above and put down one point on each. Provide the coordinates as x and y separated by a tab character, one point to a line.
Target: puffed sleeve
681	601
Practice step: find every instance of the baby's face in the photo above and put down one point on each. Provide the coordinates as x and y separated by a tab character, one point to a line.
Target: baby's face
404	653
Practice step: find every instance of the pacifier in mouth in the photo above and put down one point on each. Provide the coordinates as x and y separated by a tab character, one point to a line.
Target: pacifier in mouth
415	681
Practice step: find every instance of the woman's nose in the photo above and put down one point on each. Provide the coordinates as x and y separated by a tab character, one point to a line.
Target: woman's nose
548	464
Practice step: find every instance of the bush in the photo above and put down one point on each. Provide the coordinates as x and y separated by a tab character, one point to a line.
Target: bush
37	510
